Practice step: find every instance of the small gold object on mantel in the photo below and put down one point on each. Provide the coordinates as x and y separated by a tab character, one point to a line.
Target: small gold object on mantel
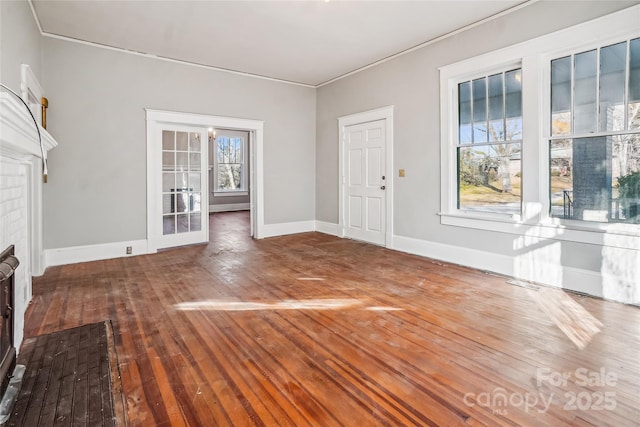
45	104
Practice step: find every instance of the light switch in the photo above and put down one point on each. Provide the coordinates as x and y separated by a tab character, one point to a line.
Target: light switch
401	173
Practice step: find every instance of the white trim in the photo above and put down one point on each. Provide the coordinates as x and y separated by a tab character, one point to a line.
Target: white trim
257	148
155	236
622	236
328	228
284	228
17	132
535	56
76	254
230	193
384	113
554	274
432	41
30	88
19	141
230	207
35	17
245	136
174	61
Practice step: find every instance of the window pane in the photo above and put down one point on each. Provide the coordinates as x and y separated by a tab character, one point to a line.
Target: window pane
181	201
613	63
168	182
513	104
596	179
480	110
194	141
182	161
194	181
223	149
561	96
585	89
168	140
229	176
182	141
182	222
182	180
634	84
237	150
194	200
195	222
489	178
168	203
168	161
496	108
168	224
194	161
464	113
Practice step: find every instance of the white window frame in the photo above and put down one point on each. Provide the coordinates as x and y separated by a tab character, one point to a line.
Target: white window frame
534	57
244	191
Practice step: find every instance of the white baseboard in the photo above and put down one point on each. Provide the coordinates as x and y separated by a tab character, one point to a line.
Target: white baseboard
272	230
543	269
75	254
230	207
328	228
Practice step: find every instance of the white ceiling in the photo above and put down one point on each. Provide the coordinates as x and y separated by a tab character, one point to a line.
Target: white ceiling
309	42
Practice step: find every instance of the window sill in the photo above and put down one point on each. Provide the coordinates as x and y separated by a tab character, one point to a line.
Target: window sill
230	193
625	236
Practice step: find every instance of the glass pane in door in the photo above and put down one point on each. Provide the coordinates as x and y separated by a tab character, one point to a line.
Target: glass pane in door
181	187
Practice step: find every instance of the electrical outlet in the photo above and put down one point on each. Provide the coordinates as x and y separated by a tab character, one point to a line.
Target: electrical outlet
129	250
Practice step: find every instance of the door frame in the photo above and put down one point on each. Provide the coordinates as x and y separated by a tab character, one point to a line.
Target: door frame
386	114
255	127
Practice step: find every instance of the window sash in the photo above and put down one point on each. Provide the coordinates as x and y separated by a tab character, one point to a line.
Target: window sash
226	148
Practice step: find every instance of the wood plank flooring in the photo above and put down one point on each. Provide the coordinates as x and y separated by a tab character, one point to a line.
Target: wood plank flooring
67	380
314	330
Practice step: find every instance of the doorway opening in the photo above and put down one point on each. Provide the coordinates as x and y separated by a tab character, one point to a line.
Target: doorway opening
171	161
229	181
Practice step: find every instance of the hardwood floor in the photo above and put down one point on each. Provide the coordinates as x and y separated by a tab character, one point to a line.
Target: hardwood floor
314	330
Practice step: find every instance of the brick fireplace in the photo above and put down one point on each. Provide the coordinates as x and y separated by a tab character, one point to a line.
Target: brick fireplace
21	186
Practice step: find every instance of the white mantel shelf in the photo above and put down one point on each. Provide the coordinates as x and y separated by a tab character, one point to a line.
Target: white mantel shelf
18	136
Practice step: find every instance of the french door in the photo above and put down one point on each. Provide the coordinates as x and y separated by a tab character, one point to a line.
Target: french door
178	185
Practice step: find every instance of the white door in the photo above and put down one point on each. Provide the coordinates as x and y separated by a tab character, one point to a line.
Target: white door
364	196
178	163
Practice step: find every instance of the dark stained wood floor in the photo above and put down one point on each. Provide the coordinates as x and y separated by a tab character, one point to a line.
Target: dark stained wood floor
314	330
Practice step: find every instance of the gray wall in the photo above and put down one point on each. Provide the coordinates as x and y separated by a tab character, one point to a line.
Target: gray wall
97	176
20	42
411	83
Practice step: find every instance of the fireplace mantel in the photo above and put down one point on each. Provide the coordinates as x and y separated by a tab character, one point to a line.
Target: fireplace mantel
19	143
18	136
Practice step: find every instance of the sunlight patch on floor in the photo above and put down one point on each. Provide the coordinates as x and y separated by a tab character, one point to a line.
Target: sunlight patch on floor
383	309
311	304
572	318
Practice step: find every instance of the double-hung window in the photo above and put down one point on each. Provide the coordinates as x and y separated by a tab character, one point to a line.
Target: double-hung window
594	148
230	163
543	137
489	143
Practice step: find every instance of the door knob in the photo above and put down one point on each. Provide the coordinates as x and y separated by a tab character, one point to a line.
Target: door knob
383	187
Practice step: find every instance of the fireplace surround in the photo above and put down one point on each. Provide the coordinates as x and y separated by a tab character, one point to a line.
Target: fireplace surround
21	186
8	265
